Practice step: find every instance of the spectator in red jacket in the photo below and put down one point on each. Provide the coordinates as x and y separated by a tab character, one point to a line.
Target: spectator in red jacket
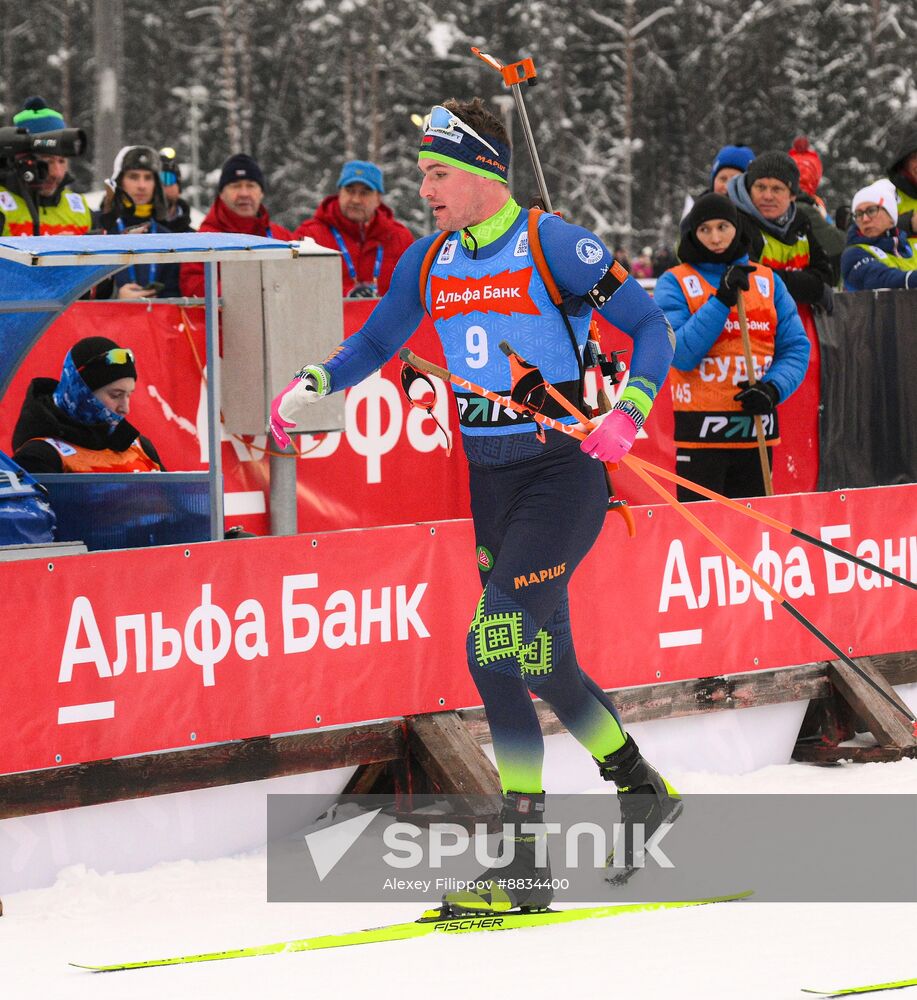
356	222
238	208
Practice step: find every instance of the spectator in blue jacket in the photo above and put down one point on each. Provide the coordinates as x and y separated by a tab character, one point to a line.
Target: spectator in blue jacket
714	404
878	254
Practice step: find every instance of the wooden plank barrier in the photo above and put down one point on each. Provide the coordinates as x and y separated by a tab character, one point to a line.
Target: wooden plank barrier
441	751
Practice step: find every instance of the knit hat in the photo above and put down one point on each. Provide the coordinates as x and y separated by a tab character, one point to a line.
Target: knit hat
710	206
809	164
880	193
135	158
732	156
36	116
774	163
96	367
361	172
707	207
139	158
240	167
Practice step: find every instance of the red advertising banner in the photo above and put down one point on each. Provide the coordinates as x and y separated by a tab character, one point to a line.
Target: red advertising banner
132	651
390	465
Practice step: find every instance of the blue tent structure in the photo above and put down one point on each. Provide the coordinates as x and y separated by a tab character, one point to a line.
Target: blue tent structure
41	275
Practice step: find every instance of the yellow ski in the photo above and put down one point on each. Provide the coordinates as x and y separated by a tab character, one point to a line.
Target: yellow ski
432	922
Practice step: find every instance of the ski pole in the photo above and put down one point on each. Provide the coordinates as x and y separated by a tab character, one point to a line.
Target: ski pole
726	501
715	540
759	420
771	522
774	594
514	75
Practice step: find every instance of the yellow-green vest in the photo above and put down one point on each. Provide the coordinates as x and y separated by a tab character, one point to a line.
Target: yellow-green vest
890	260
69	217
907	203
785	256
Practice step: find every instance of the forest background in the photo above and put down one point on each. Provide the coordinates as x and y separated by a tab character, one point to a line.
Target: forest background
633	99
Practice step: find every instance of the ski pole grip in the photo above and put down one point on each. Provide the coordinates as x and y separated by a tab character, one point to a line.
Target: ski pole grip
512	73
493	63
410	358
518	72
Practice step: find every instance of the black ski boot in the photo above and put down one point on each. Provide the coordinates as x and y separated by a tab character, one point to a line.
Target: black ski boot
646	799
525	883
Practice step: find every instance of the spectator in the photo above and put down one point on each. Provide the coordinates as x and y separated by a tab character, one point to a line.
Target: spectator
178	210
77	424
135	203
238	208
643	265
358	223
663	259
46	207
902	172
878	253
780	236
831	239
709	376
729	162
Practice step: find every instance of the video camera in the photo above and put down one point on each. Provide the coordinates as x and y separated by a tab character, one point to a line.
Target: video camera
20	150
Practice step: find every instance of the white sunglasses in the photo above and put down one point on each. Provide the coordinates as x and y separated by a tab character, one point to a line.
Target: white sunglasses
442	120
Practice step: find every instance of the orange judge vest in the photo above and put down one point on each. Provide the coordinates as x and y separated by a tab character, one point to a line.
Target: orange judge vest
706	415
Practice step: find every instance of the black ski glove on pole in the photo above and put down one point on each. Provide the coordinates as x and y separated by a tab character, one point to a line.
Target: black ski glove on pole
761	397
733	281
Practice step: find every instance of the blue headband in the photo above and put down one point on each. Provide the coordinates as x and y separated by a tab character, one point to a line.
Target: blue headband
450	140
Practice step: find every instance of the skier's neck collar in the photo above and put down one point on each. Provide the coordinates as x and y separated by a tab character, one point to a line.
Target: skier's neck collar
479	235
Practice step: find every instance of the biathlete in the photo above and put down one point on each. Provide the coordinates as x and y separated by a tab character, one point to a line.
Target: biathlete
537	506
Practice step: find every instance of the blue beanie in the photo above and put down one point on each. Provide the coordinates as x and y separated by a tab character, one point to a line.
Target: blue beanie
36	116
732	156
361	172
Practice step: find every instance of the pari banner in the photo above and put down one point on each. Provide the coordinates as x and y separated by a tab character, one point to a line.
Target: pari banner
389	466
133	651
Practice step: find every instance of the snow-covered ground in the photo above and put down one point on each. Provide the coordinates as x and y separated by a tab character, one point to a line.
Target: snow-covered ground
763	951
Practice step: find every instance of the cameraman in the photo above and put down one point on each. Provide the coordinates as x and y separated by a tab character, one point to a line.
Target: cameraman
44	206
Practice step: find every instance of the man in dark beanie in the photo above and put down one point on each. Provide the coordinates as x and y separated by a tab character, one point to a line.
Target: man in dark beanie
77	424
238	208
780	236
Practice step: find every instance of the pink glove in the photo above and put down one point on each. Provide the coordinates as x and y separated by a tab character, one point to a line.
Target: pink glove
278	424
613	438
290	407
